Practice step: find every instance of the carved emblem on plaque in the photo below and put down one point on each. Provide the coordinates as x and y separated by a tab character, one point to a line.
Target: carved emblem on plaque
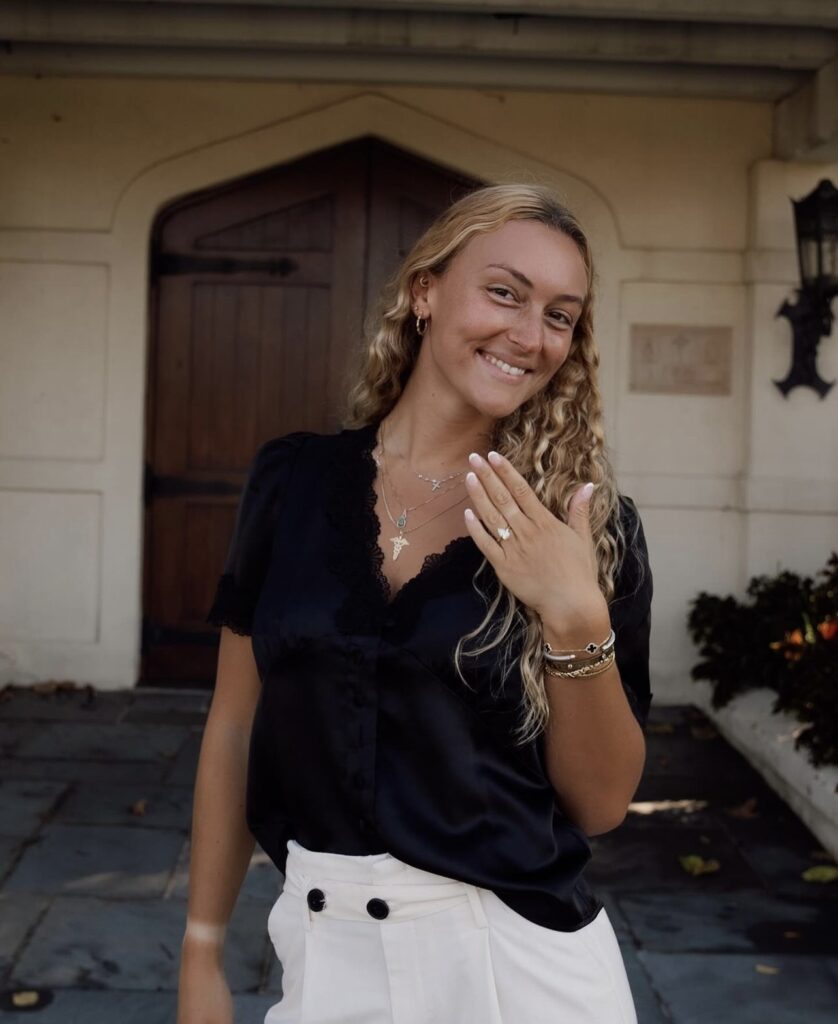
675	359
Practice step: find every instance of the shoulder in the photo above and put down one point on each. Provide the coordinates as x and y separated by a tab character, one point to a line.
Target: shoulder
633	575
630	522
627	510
275	458
271	466
272	455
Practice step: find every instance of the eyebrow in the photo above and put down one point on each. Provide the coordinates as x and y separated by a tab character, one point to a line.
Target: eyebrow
526	281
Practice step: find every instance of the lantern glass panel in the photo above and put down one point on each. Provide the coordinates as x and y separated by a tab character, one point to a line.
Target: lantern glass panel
829	265
809	254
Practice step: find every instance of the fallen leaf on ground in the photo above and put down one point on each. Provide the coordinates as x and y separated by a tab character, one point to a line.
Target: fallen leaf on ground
703	732
662	727
26	997
54	685
694	864
820	873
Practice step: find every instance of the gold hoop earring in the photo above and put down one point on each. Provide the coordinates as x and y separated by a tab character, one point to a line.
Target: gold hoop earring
421	330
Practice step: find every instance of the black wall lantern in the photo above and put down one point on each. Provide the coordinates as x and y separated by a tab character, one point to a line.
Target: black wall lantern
816	224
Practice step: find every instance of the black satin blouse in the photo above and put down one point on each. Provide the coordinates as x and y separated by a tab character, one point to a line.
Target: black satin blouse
365	740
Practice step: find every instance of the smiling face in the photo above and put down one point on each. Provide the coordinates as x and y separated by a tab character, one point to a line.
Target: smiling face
501	317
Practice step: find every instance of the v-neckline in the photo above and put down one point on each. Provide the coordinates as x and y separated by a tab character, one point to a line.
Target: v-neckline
375	555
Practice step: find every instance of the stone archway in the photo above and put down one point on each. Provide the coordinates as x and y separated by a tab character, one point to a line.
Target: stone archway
368	113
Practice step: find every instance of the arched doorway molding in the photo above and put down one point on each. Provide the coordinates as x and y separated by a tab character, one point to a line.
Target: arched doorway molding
208	166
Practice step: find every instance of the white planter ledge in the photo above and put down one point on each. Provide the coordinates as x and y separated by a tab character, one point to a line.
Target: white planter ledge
767	741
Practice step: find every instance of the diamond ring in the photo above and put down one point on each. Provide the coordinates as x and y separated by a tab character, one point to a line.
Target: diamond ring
504	532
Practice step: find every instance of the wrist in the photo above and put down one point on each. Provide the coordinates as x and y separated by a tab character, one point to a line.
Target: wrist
196	954
202	940
573	633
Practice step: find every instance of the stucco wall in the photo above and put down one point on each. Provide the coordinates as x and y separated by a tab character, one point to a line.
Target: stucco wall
690	222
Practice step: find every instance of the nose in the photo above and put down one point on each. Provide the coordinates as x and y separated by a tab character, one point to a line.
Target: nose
526	332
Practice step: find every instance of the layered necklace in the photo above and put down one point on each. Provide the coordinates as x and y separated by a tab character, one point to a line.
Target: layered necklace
400	540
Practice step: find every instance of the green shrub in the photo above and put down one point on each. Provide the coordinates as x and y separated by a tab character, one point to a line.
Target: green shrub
786	640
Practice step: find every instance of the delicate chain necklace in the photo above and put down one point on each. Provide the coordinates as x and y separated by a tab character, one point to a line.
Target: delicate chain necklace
435	484
383	465
402	521
401	541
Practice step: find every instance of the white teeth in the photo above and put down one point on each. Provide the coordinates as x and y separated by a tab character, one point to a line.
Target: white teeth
515	371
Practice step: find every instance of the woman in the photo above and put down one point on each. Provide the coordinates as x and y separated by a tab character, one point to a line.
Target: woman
433	674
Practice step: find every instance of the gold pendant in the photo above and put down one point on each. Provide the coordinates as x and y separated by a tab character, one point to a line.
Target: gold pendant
398	543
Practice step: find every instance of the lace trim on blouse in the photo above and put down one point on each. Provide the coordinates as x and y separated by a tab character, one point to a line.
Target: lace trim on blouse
356	557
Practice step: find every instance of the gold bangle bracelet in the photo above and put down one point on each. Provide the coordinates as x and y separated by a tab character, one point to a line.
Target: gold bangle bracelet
593	669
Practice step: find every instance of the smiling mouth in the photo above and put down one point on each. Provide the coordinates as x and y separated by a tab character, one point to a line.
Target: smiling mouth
502	365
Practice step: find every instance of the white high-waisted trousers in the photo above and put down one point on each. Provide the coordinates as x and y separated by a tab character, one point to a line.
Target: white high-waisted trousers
430	950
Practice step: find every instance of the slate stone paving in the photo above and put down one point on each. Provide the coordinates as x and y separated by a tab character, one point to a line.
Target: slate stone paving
96	790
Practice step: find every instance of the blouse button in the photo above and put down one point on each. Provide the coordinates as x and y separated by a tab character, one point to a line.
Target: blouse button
316	899
377	908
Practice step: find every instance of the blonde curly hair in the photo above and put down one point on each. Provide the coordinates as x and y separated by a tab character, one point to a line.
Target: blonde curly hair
555	439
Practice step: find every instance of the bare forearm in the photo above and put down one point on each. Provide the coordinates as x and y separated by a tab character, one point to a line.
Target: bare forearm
222	844
594	747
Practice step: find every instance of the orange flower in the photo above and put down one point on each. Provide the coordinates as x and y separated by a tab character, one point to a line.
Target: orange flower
792	643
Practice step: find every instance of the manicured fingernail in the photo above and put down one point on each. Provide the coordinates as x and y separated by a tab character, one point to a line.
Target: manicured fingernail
495	458
475	459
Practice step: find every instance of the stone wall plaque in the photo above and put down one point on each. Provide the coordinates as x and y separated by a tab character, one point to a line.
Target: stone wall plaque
676	359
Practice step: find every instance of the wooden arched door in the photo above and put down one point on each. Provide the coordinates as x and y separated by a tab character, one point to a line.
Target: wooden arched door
259	289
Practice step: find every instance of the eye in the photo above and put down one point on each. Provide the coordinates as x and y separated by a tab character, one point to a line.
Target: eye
558	316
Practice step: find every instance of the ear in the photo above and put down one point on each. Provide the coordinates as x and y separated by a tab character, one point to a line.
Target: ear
419	291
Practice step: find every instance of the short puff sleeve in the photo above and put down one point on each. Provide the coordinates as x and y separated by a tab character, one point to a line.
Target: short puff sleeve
631	612
249	550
